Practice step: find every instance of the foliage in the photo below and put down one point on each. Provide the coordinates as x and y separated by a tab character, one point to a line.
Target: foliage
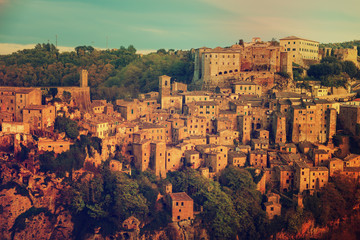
70	160
332	72
335	201
113	74
24	153
20	221
70	127
283	74
337	140
105	201
297	73
349	44
229	211
47	161
67	96
53	92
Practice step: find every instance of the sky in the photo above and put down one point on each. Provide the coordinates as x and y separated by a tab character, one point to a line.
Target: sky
172	24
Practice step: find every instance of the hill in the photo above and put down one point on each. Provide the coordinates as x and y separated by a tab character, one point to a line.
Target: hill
113	74
349	44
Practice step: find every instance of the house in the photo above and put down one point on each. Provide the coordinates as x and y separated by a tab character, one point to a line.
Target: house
182	207
273	206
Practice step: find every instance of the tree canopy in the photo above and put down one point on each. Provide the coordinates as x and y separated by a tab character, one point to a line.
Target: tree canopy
113	74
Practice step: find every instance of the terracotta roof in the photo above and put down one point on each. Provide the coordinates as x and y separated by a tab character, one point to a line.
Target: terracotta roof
351	156
297	38
181	196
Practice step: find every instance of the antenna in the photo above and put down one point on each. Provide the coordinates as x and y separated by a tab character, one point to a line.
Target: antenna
107	42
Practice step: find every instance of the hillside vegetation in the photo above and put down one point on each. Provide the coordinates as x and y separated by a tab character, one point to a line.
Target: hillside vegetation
349	44
113	74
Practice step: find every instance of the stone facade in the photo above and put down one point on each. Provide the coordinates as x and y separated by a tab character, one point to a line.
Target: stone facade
14	99
39	116
300	49
58	146
221	66
182	207
349	118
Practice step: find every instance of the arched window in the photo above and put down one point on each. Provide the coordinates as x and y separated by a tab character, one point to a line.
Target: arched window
165	83
236	70
220	73
225	72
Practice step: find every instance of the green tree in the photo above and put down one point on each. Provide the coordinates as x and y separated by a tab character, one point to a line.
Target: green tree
53	92
67	96
47	162
70	127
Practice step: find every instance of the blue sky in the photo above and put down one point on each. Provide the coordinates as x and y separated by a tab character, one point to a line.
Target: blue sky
177	24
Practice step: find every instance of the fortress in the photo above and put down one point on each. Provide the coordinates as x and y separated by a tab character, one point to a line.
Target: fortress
240	62
256	61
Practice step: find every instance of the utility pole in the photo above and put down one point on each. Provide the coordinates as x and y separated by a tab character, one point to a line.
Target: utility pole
107	42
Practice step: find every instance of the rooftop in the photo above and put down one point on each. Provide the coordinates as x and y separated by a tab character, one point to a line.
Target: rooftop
297	38
180	196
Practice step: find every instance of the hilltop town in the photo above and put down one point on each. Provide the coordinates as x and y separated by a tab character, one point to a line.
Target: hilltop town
250	111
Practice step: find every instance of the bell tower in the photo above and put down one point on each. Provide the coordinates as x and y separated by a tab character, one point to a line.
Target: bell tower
84	78
164	85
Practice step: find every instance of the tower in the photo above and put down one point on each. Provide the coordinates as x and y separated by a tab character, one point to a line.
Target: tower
164	85
84	78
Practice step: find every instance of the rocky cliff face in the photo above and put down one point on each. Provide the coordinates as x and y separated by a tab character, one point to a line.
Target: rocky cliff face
31	208
28	206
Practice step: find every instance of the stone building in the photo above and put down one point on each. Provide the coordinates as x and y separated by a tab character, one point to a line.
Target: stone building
174	159
309	178
14	99
313	121
97	126
39	117
343	54
273	206
182	207
349	119
279	127
246	88
15	127
352	160
320	157
58	146
221	66
285	176
157	159
128	109
237	159
192	158
207	109
300	50
142	153
258	158
244	127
